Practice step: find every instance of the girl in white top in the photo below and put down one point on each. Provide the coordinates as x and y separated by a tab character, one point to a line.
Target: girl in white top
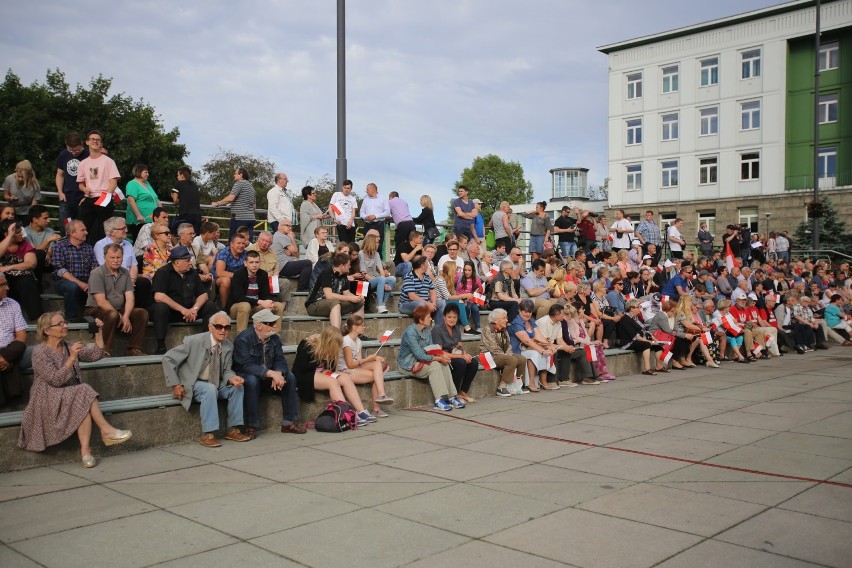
676	242
363	370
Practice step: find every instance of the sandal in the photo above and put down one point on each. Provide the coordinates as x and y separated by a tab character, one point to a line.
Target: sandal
649	372
662	370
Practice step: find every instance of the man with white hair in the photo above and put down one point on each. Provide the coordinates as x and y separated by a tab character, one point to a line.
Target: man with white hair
278	204
806	329
501	225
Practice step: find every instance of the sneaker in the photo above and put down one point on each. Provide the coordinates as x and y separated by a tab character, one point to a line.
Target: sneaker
504	392
590	382
360	422
380	413
442	404
367	416
525	390
382	309
384	399
474	332
456	402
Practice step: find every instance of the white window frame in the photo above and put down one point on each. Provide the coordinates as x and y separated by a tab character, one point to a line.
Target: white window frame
826	103
750	115
666	219
827	157
708	217
708	170
709	71
750	63
709	121
634	85
633	181
751	160
829	56
669	173
634	131
670	126
748	216
671	79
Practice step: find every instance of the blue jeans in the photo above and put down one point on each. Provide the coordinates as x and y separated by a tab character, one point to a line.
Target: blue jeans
462	311
72	295
473	315
403	269
207	395
378	284
256	386
568	249
409	308
537	243
439	313
237	223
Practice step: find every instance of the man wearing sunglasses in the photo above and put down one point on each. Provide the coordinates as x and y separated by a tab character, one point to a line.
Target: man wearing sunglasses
179	295
200	368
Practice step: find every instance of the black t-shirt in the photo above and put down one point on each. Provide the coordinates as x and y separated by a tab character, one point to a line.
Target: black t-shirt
328	278
189	197
563	222
70	165
182	289
402	248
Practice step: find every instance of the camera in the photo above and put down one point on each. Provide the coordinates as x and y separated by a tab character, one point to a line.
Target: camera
93	327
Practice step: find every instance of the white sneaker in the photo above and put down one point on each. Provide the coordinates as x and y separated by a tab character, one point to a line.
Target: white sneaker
382	309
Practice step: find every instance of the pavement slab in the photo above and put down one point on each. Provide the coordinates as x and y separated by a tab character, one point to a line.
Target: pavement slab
18	484
712	554
240	554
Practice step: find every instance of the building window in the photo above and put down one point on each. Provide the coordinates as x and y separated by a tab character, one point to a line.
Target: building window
709	121
634	177
827	111
707	170
709	71
634	86
827	162
670	79
748	216
750	114
666	219
829	56
750	166
708	217
670	129
669	173
751	64
634	131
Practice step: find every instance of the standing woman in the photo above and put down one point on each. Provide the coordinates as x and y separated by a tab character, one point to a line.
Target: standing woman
60	403
310	214
22	190
363	370
448	335
427	219
141	200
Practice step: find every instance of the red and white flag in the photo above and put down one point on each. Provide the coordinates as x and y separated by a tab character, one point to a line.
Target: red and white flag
591	353
118	195
729	257
274	287
664	298
628	296
731	325
769	340
666	355
386	335
552	361
68	220
332	374
362	288
434	350
478	298
706	338
756	349
658	268
494	269
104	200
335	209
609	238
487	361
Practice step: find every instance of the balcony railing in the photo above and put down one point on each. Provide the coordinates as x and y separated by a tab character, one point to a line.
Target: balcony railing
841	179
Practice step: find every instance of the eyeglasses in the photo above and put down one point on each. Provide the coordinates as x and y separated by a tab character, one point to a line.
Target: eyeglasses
220	327
120	228
266	323
164	233
620	284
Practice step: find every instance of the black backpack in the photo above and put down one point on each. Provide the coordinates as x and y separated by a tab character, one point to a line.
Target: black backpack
338	416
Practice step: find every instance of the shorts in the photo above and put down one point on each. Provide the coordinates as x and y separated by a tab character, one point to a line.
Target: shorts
537	243
736	341
322	308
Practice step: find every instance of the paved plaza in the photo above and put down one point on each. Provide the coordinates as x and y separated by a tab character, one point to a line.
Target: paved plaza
503	488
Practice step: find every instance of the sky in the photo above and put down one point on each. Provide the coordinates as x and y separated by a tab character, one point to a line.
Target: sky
431	84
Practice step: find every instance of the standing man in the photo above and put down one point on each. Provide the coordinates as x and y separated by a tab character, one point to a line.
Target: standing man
478	221
401	218
566	227
97	175
73	262
67	188
675	238
648	233
243	200
188	198
287	253
622	230
375	209
501	225
465	212
259	359
279	206
343	205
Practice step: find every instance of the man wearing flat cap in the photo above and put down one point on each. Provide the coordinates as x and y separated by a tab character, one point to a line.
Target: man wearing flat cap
259	359
179	295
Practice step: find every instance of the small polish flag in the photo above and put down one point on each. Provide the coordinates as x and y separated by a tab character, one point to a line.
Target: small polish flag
336	209
609	238
104	199
118	195
706	338
729	258
434	350
628	296
658	268
667	354
731	325
591	353
481	288
756	349
552	361
386	335
362	288
494	270
478	298
769	340
664	298
487	361
273	285
332	374
68	220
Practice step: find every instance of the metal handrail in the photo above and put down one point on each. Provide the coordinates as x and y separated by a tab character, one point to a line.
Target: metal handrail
816	251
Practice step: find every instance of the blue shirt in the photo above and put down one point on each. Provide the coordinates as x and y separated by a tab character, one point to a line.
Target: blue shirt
516	326
412	347
411	283
231	264
479	226
466	208
670	289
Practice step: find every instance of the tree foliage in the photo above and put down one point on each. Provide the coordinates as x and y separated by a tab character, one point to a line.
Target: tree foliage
216	177
833	233
36	118
324	187
493	180
596	192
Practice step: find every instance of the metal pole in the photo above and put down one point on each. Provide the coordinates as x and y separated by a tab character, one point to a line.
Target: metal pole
341	94
815	234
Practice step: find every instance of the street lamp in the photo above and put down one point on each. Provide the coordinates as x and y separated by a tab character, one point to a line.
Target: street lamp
767	215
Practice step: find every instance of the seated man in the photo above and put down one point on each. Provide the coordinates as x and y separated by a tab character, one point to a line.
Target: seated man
228	260
199	261
417	289
259	359
269	264
536	286
39	234
330	297
200	368
112	300
158	217
115	229
250	292
286	250
13	338
406	252
178	295
73	262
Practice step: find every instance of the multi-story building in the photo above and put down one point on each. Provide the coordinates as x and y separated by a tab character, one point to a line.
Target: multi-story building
715	122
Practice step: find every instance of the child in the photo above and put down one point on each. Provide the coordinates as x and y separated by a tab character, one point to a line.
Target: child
363	370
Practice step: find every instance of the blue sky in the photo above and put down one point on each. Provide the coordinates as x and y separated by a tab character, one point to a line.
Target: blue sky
430	84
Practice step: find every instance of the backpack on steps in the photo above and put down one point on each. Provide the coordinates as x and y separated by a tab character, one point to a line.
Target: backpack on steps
338	416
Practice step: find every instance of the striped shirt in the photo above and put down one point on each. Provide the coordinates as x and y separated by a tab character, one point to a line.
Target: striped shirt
243	206
412	283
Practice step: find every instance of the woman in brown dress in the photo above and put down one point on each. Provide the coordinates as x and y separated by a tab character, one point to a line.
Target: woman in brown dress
60	403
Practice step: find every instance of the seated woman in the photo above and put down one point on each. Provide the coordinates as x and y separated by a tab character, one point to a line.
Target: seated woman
662	328
467	283
687	322
581	338
445	289
363	370
414	360
607	315
448	334
557	282
156	254
60	403
317	358
735	342
635	337
495	340
615	296
583	303
381	281
318	246
528	341
836	319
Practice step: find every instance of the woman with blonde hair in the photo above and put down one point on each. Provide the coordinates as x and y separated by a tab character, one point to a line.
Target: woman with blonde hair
22	190
427	219
363	370
603	312
623	263
315	368
557	282
685	322
374	271
445	288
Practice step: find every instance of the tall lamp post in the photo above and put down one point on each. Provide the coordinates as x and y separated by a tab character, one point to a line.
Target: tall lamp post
767	215
341	94
816	209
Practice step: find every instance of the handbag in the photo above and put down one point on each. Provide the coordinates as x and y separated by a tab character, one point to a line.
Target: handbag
433	233
418	366
9	260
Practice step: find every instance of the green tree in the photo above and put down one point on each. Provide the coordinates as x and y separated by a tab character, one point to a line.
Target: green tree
35	119
217	176
832	231
324	187
493	180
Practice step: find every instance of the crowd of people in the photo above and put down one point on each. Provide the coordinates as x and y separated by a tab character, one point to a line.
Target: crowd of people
598	286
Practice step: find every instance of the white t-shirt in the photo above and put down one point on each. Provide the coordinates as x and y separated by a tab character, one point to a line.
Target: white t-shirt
626	229
673	232
347	205
355	346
